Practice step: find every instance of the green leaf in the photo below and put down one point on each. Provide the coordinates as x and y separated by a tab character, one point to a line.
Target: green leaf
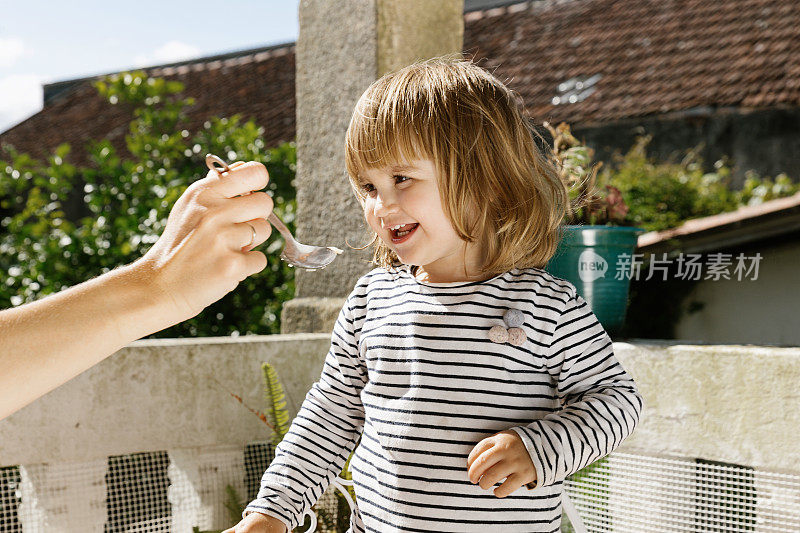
52	209
276	411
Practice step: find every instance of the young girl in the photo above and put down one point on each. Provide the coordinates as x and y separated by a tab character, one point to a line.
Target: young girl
475	380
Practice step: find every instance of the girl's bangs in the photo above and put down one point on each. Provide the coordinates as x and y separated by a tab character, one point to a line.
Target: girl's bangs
382	133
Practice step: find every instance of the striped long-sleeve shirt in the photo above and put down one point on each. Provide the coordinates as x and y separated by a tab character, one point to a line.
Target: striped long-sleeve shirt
412	371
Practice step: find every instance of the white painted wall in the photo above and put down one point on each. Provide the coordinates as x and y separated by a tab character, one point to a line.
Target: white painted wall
765	311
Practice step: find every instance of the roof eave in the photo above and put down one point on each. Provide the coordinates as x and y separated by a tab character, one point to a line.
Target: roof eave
52	91
748	225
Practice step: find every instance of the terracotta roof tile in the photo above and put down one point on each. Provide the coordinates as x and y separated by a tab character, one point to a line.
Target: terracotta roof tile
652	56
258	86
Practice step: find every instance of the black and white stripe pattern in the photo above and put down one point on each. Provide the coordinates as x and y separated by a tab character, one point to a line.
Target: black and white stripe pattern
411	367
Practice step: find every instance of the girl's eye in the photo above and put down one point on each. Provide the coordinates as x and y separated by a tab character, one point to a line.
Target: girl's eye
400	179
367	189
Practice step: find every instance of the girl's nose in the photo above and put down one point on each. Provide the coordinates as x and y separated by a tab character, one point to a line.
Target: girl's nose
384	205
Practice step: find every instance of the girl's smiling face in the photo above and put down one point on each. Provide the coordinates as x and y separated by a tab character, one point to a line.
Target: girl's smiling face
407	195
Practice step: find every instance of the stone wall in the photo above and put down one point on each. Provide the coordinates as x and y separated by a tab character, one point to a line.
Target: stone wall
766	141
172	400
162	394
717	402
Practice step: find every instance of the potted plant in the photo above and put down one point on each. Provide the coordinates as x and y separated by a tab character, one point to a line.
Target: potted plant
595	252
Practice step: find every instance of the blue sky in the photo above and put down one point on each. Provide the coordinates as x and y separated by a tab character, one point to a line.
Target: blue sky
44	41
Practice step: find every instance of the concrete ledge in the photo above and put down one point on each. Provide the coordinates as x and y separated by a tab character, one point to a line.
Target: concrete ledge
160	395
737	404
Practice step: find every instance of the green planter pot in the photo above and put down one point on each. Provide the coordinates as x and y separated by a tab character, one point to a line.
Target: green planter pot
587	257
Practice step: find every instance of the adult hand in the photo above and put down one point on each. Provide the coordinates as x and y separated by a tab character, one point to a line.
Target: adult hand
258	523
204	252
501	456
206	248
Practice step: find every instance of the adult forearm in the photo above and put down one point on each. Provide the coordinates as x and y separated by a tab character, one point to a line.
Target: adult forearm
47	342
205	251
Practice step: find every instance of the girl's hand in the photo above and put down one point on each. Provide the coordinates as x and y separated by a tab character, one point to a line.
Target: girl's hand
258	523
501	456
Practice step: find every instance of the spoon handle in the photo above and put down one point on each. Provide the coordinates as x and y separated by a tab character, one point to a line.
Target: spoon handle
281	227
216	163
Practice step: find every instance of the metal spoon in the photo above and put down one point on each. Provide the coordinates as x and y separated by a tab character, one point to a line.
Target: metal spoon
294	253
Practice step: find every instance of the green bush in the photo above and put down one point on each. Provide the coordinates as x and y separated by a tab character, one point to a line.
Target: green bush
126	200
664	195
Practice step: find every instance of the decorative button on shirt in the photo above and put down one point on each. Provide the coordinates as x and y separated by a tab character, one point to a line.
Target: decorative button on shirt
498	334
514	318
516	336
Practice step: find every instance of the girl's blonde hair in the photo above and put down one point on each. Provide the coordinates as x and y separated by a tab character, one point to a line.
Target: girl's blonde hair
496	186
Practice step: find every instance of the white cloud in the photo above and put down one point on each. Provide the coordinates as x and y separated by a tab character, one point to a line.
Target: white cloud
170	52
21	97
11	49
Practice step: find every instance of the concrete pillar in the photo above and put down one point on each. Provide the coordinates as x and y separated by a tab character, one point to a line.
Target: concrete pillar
340	51
63	497
197	491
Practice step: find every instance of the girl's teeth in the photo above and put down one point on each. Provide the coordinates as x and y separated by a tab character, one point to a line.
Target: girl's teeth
398	233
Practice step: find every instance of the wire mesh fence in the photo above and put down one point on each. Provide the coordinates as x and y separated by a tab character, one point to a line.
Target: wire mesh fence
207	489
137	486
202	490
642	494
9	500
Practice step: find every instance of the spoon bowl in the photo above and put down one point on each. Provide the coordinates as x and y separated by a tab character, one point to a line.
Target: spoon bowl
294	253
310	257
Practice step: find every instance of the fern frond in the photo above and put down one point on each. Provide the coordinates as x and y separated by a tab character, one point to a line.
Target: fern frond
233	504
277	413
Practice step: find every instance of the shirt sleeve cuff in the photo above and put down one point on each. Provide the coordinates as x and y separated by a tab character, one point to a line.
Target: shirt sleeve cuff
268	512
534	455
